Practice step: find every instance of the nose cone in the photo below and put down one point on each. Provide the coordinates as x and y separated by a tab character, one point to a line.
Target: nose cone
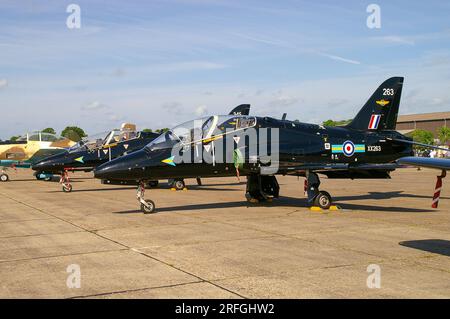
128	167
48	164
39	166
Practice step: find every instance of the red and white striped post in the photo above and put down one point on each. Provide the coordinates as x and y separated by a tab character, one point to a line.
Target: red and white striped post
437	190
305	187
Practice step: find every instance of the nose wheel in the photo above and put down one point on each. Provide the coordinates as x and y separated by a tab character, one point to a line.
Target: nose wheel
65	182
4	177
147	205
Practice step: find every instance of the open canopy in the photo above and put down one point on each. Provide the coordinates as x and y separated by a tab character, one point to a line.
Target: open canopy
104	139
201	130
40	137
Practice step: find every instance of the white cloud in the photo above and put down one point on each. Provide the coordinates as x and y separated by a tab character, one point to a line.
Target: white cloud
171	106
3	83
283	100
115	118
201	110
261	39
338	58
119	72
188	66
93	106
395	39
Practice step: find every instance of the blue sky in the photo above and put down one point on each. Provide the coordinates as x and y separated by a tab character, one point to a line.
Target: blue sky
161	62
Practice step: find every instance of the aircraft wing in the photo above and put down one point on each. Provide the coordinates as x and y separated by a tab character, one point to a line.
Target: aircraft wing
418	144
436	163
342	169
341	166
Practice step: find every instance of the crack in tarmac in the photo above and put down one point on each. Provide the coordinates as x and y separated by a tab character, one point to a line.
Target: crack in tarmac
123	245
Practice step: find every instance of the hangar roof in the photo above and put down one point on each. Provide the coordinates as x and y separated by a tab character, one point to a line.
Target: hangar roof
424	117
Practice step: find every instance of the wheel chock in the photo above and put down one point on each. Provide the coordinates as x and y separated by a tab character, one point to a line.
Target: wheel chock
318	209
173	189
185	189
334	207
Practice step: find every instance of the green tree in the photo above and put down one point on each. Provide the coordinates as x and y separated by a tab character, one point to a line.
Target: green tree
162	130
49	130
73	133
444	134
14	138
336	123
423	136
147	130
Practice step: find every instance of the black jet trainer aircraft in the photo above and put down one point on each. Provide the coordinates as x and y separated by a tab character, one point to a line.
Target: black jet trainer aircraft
92	152
368	147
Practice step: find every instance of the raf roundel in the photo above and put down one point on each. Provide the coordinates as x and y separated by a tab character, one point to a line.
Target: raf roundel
348	148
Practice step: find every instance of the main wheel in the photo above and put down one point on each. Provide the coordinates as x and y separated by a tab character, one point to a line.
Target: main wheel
38	176
323	200
48	178
149	208
4	178
67	188
179	185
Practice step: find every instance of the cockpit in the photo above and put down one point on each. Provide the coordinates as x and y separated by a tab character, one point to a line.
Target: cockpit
202	130
105	139
40	137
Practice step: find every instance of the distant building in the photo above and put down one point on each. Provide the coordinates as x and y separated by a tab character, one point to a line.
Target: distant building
426	121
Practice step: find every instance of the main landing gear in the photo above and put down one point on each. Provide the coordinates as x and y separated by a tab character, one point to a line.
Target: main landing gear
178	184
261	188
65	182
147	205
318	198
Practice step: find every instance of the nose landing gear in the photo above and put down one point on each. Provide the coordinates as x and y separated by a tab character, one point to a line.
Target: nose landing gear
147	205
4	177
65	182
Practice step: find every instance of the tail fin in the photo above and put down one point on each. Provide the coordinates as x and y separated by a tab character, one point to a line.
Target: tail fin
381	110
243	109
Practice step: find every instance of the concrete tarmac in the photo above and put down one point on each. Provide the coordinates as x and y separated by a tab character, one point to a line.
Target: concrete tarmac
207	242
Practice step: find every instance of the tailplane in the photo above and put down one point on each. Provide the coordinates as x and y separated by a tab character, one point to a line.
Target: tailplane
243	109
381	110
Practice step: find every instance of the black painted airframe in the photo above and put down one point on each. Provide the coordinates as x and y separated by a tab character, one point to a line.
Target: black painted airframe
367	148
101	148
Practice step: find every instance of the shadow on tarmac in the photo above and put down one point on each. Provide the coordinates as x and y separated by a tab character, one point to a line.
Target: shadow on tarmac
436	246
284	201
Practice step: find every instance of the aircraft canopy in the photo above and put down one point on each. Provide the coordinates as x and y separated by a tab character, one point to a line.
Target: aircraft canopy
200	130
